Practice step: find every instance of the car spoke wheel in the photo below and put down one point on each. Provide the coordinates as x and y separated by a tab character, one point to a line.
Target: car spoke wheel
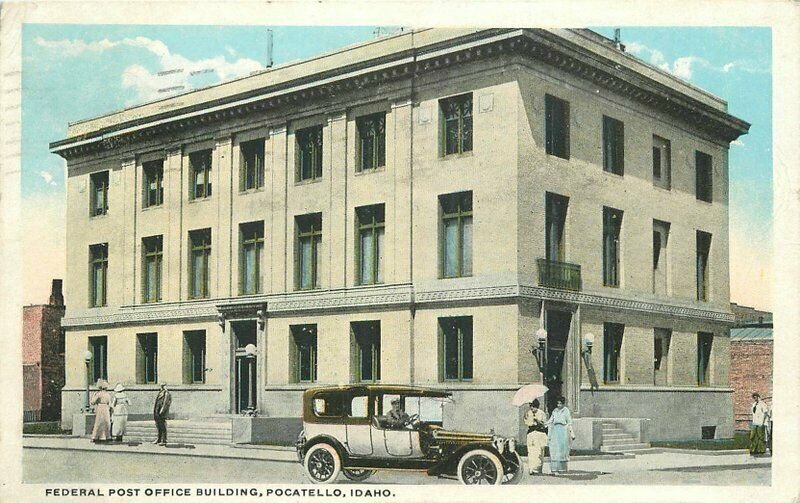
322	464
357	475
480	467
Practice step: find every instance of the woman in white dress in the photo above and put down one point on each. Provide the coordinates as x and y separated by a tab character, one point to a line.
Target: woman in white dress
119	416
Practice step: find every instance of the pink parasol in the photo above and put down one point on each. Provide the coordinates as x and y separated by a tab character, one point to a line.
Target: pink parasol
527	393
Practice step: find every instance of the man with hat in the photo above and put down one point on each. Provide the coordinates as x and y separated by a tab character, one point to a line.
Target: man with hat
160	412
397	417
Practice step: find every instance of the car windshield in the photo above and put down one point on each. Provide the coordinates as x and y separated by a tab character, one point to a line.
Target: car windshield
430	409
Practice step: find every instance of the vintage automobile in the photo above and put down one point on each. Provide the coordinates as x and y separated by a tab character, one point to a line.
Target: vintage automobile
346	429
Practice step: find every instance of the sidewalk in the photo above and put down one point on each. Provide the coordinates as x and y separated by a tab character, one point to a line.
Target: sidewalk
655	459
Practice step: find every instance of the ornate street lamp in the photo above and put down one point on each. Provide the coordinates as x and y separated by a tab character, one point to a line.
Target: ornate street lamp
250	354
588	342
87	358
539	349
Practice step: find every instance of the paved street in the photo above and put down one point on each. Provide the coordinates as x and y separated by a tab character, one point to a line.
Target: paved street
51	460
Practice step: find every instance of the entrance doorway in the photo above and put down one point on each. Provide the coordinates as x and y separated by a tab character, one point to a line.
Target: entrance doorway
245	375
557	324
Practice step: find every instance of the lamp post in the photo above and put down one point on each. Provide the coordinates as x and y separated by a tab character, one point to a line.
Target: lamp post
539	349
588	342
87	358
250	352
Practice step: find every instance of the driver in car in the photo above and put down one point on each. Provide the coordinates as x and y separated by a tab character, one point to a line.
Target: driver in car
397	417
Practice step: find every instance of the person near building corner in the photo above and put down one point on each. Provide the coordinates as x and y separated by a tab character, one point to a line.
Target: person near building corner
119	414
559	436
758	439
536	440
102	419
160	412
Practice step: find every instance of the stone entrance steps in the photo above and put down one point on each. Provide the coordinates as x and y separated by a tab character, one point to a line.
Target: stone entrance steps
209	431
614	439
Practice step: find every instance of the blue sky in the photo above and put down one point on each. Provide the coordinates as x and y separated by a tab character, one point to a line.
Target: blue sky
73	72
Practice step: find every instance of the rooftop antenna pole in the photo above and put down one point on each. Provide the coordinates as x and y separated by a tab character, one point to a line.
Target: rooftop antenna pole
269	48
617	40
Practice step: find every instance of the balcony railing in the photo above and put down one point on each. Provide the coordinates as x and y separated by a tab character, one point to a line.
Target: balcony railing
559	275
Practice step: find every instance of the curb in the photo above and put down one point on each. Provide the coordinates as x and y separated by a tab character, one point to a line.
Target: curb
158	453
702	452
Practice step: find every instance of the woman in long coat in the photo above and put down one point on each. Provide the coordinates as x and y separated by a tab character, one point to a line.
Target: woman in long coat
559	434
119	416
102	420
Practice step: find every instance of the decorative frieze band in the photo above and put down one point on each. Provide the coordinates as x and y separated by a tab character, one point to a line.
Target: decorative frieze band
383	296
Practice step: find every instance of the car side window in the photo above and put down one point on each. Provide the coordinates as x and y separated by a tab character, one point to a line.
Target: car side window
359	406
328	405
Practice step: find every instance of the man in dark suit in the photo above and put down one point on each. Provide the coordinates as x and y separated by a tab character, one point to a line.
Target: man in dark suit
160	411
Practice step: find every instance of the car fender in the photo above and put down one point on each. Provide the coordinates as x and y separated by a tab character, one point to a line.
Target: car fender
447	465
328	440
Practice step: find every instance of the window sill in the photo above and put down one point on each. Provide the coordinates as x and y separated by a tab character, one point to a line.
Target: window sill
200	199
153	207
703	201
254	190
456	155
617	175
308	181
549	154
98	217
362	172
668	188
455	277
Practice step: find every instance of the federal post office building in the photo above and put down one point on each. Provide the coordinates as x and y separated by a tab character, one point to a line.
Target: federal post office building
466	209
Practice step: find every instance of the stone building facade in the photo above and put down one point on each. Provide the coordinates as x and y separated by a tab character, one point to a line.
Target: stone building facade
412	210
43	358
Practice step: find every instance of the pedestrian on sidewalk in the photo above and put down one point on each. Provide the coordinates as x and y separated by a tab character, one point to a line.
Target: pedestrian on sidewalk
119	414
160	412
536	440
559	435
758	439
101	432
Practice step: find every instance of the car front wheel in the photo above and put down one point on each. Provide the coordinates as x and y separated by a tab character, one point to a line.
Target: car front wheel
322	463
480	467
357	475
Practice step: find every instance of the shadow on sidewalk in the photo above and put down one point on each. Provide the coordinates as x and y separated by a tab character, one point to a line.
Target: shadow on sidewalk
580	475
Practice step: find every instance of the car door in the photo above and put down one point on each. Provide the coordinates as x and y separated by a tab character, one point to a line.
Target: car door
396	442
358	431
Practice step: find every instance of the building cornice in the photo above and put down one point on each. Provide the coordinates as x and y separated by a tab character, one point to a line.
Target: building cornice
545	46
399	296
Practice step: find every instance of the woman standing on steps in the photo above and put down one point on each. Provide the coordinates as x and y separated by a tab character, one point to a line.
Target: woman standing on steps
119	417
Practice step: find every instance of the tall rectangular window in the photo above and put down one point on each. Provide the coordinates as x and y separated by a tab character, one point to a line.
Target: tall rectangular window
369	254
308	260
613	146
251	166
556	126
455	348
703	176
704	343
304	358
612	225
661	340
200	174
152	249
98	346
153	183
662	163
147	358
660	267
555	222
703	248
366	351
309	153
200	256
612	349
456	124
456	234
194	357
98	274
99	194
371	141
251	236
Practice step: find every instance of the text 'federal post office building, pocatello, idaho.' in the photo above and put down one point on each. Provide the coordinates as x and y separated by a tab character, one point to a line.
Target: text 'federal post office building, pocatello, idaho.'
468	209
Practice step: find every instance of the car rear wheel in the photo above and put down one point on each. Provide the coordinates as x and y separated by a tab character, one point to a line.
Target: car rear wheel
516	472
322	463
480	467
357	475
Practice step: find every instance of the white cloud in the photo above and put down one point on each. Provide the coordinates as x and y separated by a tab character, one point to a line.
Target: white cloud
685	66
738	143
48	178
147	83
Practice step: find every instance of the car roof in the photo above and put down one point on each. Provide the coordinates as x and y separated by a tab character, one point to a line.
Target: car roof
382	388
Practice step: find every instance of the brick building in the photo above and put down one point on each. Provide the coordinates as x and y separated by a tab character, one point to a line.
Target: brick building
412	210
751	361
43	357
